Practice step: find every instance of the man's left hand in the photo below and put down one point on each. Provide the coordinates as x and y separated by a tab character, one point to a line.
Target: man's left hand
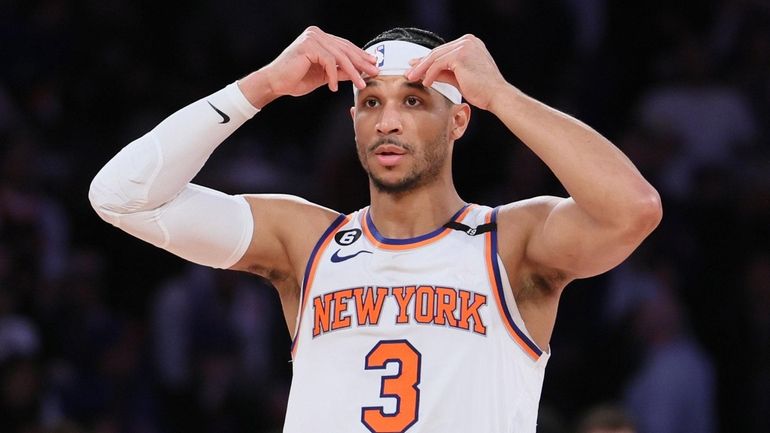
464	63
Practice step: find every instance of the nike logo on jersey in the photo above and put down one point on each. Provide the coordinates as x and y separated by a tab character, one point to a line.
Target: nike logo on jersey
225	117
336	257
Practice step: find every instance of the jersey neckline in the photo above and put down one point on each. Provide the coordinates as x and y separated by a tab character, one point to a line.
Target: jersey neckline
380	241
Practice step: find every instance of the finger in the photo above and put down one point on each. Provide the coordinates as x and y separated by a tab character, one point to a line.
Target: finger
357	50
344	62
348	55
351	61
329	64
351	72
422	65
363	61
318	54
345	76
439	65
418	71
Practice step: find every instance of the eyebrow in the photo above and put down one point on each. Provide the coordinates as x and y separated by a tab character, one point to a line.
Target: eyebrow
417	85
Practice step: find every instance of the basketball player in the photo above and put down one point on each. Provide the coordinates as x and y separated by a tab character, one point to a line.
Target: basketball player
420	312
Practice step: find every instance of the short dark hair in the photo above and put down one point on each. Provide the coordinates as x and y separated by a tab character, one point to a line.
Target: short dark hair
422	37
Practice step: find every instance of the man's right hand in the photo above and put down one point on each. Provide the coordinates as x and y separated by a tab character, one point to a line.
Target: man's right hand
315	58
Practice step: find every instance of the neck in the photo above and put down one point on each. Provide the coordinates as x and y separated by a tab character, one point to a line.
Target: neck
416	212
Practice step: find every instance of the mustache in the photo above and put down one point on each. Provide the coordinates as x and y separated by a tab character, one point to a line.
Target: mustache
389	140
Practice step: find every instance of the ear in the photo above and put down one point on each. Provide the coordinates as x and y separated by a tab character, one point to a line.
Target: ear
460	118
353	113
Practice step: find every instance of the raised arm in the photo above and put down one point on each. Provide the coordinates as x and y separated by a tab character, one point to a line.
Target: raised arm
146	191
611	207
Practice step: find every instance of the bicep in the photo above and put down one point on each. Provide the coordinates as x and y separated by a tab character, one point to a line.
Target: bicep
285	229
565	238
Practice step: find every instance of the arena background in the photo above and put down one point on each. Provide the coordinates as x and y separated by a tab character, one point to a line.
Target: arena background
100	332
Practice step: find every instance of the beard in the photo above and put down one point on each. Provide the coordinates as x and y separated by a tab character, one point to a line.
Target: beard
426	167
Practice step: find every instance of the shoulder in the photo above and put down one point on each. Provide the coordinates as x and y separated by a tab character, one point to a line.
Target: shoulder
286	228
526	213
291	218
288	205
518	223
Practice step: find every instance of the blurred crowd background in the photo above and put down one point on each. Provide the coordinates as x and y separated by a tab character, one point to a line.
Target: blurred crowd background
102	333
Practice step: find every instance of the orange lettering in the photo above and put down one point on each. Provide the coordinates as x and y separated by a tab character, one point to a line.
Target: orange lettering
446	301
322	309
368	308
403	295
340	306
468	310
423	304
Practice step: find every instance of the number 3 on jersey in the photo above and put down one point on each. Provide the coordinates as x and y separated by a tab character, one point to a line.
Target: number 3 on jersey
402	386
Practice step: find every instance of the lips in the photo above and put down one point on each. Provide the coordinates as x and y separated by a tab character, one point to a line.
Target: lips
389	154
389	160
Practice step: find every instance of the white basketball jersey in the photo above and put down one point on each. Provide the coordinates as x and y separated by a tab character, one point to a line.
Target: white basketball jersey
412	335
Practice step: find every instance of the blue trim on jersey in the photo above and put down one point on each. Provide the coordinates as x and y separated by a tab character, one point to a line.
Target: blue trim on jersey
329	230
388	241
501	293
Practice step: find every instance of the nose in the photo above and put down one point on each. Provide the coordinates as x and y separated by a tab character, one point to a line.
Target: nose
389	121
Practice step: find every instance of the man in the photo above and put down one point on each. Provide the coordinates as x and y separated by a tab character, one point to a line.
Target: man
420	312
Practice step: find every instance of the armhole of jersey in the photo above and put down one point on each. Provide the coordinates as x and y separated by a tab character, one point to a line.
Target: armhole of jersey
310	269
496	281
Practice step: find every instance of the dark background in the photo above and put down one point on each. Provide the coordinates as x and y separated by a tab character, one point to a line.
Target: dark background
100	332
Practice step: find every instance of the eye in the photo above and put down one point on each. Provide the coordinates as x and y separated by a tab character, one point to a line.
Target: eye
371	102
412	101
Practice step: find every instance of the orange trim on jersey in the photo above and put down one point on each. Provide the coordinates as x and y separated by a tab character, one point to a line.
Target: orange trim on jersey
406	244
310	270
490	255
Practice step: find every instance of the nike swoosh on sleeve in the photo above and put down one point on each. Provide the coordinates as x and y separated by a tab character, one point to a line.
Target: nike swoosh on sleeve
225	117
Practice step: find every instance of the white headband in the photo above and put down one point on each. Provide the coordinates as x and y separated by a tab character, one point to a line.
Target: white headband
393	59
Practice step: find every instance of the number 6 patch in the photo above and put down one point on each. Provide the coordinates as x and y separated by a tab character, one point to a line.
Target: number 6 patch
347	237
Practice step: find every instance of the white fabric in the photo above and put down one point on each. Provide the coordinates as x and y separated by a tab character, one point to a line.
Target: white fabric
145	189
393	59
469	381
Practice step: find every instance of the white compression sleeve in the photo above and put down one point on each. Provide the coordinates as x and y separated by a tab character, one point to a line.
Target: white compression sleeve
145	189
